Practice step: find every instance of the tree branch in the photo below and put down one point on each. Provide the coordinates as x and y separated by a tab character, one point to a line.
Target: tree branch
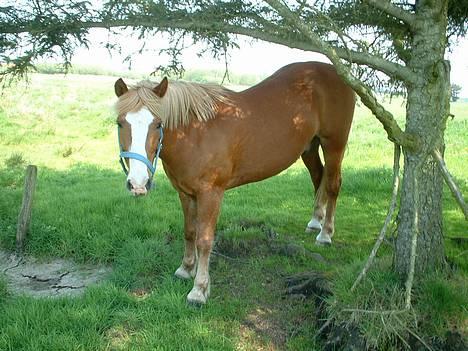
393	10
391	69
391	209
394	132
450	182
414	235
270	34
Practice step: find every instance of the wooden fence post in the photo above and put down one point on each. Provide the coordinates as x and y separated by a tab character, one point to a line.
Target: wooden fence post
24	218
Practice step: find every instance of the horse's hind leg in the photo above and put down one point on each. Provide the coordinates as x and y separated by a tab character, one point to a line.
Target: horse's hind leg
188	267
333	155
313	163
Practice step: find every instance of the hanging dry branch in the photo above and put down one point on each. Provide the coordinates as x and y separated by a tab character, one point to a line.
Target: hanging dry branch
391	209
414	239
450	182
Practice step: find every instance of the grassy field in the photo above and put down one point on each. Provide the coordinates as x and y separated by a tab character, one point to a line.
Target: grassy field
82	211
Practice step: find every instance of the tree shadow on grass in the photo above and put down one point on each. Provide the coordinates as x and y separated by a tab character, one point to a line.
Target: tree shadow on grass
85	213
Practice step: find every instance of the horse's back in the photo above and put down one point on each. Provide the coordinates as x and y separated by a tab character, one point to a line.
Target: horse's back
310	89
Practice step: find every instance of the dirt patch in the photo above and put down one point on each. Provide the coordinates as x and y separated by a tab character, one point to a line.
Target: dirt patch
119	337
235	249
262	331
267	242
29	276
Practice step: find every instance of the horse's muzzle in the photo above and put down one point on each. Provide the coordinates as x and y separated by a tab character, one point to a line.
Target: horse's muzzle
138	190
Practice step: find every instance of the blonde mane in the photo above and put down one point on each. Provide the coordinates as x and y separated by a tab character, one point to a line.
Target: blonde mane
182	101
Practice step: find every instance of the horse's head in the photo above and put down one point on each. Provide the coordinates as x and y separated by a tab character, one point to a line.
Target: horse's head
140	134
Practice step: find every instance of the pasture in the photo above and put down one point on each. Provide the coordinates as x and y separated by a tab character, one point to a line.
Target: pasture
66	126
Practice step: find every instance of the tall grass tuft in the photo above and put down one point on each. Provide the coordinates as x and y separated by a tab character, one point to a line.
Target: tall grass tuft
442	304
3	288
140	264
375	308
16	160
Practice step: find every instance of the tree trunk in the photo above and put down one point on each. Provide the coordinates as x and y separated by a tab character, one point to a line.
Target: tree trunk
427	109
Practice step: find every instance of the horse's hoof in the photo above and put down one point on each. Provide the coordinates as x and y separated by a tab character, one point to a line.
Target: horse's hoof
313	226
323	239
322	243
311	230
182	273
197	297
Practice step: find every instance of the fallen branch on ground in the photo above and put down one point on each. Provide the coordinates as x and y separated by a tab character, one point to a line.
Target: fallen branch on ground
383	312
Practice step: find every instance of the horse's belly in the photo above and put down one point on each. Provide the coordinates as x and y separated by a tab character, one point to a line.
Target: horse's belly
257	169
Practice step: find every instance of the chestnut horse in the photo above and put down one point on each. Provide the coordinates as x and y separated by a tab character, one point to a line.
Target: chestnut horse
216	139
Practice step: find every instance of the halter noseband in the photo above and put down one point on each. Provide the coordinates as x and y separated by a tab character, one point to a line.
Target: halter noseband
152	166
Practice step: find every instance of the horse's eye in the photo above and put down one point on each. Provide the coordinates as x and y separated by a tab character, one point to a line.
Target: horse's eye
119	124
158	125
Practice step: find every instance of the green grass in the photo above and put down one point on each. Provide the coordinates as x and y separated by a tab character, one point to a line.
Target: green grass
65	125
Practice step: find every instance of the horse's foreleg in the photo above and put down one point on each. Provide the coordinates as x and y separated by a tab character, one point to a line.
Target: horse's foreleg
208	206
188	267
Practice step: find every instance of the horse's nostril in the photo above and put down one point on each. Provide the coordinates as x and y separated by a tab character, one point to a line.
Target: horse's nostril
129	185
148	185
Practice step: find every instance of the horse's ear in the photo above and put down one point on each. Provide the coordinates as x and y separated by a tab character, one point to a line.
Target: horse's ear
161	89
120	87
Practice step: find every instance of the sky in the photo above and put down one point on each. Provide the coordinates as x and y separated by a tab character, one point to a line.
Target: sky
252	57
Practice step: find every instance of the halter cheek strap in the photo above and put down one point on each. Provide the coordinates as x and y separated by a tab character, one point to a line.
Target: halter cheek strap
152	166
134	155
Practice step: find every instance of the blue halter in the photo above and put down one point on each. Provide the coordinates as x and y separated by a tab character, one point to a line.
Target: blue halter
152	166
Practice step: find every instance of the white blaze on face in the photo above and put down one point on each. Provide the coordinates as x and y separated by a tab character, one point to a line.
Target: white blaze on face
139	122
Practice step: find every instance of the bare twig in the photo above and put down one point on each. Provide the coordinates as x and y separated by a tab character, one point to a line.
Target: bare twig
391	209
383	312
414	334
450	182
414	239
323	327
223	256
227	257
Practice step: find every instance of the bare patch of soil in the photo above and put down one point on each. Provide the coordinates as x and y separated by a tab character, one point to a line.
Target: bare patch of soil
263	322
266	243
29	276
